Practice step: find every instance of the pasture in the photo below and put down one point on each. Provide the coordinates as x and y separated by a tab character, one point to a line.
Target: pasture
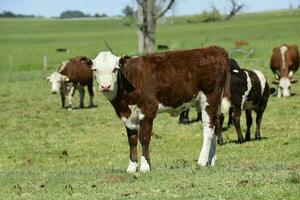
50	153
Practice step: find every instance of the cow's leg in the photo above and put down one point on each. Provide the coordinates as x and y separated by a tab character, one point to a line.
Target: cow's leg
219	129
260	112
199	114
132	141
259	115
63	98
81	96
209	116
249	123
70	97
230	120
184	117
144	138
91	93
237	125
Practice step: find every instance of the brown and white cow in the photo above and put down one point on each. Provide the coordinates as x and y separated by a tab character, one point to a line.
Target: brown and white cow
72	74
140	87
284	63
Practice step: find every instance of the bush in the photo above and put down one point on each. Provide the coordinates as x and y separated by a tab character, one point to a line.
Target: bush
205	16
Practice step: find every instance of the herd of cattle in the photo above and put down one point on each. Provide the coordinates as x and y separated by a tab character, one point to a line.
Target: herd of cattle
141	87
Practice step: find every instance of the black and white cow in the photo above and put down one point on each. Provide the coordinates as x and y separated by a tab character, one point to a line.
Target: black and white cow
249	91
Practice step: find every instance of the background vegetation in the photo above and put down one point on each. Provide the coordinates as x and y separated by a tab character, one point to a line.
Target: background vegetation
50	153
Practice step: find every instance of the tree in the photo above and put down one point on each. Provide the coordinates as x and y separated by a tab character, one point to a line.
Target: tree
148	15
72	14
128	11
235	8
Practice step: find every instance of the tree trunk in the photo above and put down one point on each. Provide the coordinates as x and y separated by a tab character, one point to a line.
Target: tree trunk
141	27
151	24
147	23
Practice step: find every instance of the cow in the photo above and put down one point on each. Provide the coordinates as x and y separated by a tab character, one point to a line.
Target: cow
72	74
141	87
249	91
284	63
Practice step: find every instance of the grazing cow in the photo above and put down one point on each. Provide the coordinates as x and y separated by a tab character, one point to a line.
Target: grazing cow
73	74
138	88
249	91
284	63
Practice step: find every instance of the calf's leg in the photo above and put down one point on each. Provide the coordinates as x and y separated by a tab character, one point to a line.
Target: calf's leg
219	129
81	96
236	121
63	98
144	138
230	120
91	94
70	97
209	110
249	123
259	115
132	141
184	117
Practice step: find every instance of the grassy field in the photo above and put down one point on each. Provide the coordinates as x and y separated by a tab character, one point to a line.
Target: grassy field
50	153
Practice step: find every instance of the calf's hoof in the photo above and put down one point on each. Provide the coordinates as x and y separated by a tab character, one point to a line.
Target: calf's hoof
132	167
93	106
184	121
240	141
221	142
257	137
145	166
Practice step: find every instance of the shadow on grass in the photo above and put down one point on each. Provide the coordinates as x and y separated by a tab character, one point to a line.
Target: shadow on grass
236	142
87	107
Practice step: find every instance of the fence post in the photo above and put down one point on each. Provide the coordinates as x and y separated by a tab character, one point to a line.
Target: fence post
45	62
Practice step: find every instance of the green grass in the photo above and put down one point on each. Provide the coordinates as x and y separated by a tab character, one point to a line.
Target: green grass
50	153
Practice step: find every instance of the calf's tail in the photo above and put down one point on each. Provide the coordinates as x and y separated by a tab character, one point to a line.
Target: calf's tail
225	102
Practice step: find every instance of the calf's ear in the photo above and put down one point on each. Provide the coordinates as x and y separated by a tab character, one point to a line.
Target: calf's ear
124	83
87	60
123	60
294	81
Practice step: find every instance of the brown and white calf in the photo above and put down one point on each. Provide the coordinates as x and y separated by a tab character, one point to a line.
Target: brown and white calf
72	74
249	91
138	88
284	63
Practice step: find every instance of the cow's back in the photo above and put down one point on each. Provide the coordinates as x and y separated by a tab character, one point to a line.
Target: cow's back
291	58
175	77
78	70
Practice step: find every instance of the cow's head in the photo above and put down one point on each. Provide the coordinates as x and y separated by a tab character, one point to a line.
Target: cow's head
284	83
108	73
56	79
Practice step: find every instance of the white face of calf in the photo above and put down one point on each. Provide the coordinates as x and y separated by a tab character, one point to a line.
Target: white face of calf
105	67
56	80
284	87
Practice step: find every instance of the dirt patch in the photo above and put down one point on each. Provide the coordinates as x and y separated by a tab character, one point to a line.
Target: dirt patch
114	179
